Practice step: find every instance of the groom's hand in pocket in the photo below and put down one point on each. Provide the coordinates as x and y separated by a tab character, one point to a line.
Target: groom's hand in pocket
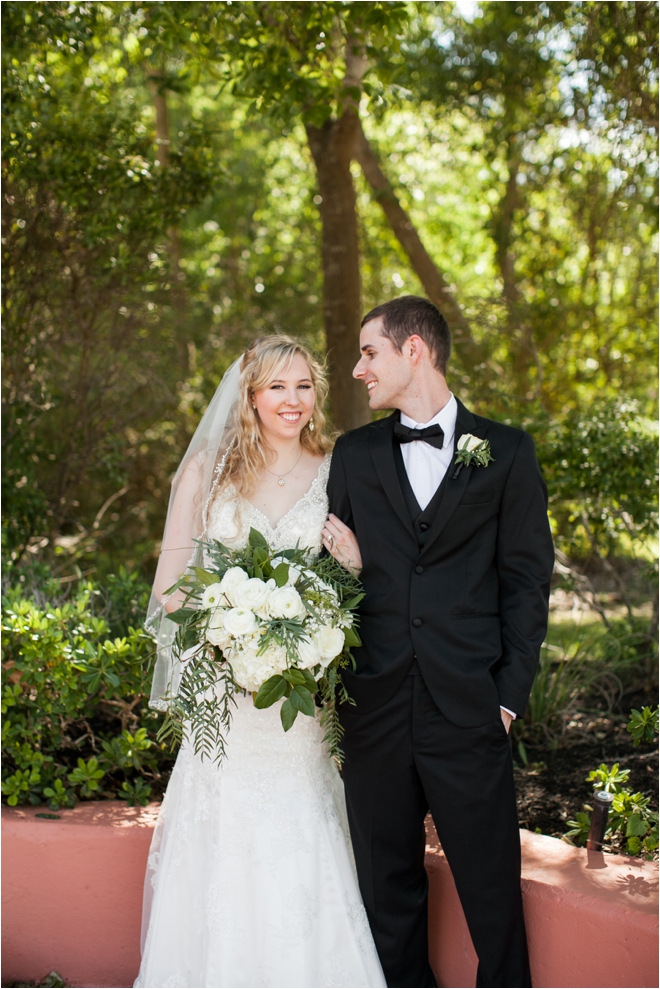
506	719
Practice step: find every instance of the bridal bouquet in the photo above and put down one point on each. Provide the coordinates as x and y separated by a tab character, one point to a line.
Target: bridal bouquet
277	625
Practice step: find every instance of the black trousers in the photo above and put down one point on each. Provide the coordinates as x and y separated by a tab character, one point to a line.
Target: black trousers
402	760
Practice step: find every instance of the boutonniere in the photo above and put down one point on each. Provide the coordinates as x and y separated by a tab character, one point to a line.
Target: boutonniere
471	450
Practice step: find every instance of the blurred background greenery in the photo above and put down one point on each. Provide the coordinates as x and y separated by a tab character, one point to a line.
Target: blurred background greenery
182	177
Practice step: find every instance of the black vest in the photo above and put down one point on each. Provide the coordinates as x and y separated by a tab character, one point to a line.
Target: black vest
422	520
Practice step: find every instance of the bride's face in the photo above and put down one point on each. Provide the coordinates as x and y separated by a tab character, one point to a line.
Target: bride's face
285	406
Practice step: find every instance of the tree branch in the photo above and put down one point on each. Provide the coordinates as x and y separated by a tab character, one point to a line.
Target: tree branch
422	263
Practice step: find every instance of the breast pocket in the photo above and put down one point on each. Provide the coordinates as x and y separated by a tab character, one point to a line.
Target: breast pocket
476	498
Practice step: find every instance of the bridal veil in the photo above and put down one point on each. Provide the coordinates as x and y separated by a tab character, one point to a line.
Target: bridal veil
193	488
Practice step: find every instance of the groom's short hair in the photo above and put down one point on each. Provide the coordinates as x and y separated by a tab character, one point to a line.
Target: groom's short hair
410	315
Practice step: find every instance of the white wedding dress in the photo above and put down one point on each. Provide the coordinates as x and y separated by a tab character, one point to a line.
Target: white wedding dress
250	880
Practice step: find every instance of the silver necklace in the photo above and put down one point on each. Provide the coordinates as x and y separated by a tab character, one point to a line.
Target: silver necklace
280	477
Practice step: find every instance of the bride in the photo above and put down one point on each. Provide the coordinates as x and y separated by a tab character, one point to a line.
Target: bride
250	879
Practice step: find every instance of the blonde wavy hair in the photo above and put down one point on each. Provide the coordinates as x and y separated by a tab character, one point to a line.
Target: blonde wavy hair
264	362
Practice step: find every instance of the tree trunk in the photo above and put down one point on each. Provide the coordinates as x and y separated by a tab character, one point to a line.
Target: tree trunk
156	80
332	149
435	286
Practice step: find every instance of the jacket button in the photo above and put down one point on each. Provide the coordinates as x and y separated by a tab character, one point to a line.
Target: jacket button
423	526
419	569
417	622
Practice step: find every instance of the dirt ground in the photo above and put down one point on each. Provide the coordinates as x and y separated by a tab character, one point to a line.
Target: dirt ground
552	787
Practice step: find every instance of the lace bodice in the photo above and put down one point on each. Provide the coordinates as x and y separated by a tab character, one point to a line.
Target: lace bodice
231	517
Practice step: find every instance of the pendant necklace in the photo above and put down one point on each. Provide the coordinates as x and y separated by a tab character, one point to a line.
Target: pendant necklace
280	477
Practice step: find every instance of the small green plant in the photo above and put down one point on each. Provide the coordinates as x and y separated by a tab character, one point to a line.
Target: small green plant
608	780
87	776
630	816
126	749
59	795
631	822
135	793
643	725
22	786
579	828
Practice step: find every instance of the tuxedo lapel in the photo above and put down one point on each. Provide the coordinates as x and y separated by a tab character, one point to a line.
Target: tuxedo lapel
381	447
454	486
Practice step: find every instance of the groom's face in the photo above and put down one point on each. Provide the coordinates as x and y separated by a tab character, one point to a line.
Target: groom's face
386	372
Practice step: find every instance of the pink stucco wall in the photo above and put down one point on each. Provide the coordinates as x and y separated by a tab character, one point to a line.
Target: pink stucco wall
592	919
72	893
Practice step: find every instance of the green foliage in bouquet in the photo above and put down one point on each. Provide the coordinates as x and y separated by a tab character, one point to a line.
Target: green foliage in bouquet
289	637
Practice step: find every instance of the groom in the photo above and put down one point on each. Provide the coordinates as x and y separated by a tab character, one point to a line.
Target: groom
456	569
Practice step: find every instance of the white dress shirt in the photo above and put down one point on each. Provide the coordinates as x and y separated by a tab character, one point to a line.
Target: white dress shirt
425	465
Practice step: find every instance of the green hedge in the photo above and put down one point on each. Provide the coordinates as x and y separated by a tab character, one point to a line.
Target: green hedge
76	673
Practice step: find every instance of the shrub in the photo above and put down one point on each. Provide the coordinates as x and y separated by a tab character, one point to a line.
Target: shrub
76	673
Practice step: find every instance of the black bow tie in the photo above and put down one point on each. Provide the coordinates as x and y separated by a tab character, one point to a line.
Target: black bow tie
433	435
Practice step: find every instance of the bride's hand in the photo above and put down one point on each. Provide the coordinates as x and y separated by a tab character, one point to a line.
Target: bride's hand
341	543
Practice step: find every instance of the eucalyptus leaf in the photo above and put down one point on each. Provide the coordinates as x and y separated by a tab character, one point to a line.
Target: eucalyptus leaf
255	540
351	638
270	691
259	556
294	677
288	714
205	577
310	682
303	700
281	574
182	615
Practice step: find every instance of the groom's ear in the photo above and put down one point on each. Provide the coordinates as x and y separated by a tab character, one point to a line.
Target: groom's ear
416	349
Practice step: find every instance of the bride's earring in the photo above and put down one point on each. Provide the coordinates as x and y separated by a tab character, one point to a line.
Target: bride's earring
311	426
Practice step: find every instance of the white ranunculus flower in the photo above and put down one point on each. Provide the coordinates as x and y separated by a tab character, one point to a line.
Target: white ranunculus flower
211	597
285	602
240	621
231	580
329	641
469	442
252	594
216	633
308	654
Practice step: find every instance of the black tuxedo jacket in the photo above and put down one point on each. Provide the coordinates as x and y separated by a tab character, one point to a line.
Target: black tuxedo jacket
471	604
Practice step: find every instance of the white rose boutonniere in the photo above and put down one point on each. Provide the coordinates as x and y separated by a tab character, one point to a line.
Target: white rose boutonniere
471	450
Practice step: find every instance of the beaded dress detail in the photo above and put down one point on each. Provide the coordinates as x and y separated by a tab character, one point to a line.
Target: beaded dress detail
250	879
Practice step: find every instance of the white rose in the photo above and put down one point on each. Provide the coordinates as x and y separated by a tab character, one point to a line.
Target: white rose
231	580
252	594
285	602
329	641
469	442
216	633
211	597
240	621
308	654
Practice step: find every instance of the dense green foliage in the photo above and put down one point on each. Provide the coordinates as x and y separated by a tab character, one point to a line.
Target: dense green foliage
520	143
76	671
